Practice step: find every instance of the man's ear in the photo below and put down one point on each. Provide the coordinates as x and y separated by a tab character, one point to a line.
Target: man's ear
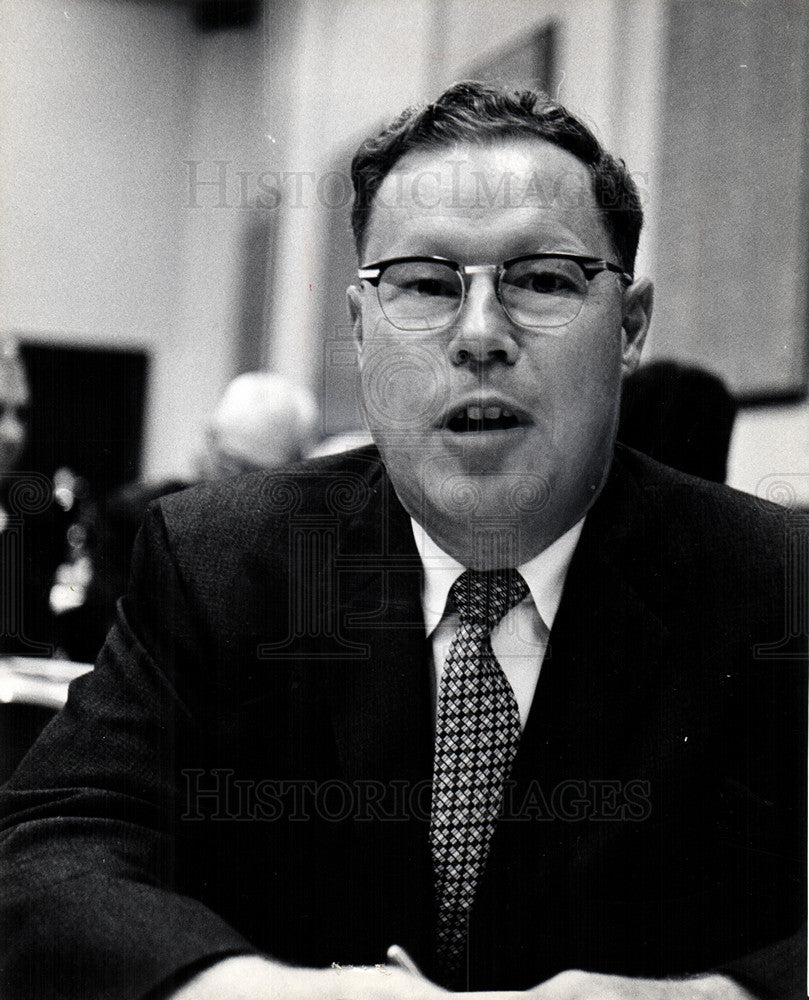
354	306
638	302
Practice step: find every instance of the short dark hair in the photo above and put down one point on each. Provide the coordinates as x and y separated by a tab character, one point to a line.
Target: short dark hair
482	113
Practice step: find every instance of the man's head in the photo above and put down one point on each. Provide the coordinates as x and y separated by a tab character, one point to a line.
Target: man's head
262	421
14	400
482	114
493	392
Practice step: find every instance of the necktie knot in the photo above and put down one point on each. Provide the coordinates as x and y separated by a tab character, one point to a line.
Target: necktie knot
483	597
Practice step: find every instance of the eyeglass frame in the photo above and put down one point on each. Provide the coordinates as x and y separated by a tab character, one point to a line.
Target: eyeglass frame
590	267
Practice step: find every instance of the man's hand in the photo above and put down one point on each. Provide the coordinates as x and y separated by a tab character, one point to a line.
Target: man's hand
250	977
575	985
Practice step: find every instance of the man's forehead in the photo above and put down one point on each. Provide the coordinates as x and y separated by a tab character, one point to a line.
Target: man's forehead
517	183
511	172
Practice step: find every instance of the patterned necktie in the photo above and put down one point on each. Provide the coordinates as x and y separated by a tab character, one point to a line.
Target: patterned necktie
477	733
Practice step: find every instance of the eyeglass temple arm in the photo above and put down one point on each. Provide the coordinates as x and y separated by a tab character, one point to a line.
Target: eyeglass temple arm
596	266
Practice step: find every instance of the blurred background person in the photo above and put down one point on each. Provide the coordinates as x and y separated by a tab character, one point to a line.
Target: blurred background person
681	415
14	401
33	529
263	420
32	523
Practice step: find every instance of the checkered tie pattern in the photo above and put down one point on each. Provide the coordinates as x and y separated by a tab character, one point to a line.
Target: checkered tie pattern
477	734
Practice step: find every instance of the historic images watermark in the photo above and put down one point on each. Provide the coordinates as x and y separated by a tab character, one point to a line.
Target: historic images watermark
221	184
220	795
26	493
786	489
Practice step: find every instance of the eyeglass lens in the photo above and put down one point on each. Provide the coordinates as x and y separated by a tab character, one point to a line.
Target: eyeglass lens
427	295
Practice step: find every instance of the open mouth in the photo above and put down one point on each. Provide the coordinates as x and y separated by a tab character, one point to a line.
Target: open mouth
474	419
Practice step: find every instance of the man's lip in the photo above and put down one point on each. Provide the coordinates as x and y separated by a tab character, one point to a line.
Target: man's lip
488	443
483	408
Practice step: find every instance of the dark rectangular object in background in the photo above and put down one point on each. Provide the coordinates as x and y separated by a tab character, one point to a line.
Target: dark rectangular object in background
87	408
216	15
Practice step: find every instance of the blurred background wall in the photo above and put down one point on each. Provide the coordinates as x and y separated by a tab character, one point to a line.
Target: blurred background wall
173	183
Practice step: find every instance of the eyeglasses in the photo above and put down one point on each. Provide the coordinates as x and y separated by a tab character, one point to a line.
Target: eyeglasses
537	291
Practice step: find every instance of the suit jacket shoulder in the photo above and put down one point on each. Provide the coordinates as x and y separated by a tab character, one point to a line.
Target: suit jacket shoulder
682	540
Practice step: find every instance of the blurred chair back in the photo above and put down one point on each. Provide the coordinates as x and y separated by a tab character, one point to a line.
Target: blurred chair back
680	415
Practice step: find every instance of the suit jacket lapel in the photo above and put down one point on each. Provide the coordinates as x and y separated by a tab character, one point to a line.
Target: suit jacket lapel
381	713
605	647
381	697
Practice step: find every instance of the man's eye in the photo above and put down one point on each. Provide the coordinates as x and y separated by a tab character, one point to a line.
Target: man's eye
420	279
430	286
543	282
420	282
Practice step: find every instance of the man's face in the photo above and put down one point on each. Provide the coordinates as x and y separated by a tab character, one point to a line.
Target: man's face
500	494
13	412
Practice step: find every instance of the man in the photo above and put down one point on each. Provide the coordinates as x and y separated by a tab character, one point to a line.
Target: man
13	406
32	526
263	420
495	697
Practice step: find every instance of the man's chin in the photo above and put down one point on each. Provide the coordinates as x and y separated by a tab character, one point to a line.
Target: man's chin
486	521
490	490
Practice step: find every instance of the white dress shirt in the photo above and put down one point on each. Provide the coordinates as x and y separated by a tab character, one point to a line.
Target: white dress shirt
520	640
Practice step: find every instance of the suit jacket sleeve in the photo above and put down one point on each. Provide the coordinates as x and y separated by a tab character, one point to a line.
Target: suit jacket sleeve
777	972
93	900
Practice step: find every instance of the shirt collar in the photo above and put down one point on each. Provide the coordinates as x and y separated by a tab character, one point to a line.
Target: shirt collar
544	574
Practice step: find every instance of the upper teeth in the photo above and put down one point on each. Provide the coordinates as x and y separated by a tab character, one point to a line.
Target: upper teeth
487	412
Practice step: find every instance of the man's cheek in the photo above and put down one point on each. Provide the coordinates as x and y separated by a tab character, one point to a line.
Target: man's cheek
402	388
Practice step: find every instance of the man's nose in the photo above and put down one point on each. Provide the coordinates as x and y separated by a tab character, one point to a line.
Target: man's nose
483	333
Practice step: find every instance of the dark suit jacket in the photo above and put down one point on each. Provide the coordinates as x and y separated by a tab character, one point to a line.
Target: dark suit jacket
248	767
